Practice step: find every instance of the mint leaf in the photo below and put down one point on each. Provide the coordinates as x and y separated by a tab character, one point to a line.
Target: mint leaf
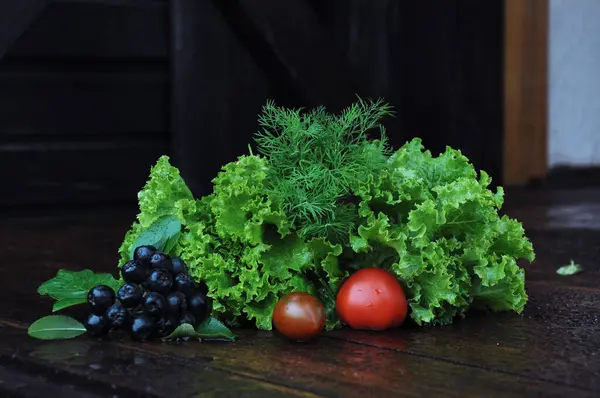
569	269
210	329
68	302
56	327
160	234
170	243
75	285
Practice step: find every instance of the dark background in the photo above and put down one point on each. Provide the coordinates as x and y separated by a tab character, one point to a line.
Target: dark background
95	91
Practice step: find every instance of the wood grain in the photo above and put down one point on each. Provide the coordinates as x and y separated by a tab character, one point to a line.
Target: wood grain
112	369
525	90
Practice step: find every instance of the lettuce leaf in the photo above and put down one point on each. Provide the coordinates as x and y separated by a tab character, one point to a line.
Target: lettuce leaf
248	256
164	194
238	240
431	220
443	237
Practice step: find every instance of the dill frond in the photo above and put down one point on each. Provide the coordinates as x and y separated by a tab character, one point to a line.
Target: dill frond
316	159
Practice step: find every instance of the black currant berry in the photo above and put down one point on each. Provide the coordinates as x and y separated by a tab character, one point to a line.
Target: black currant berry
130	295
155	304
179	266
161	261
97	324
176	304
198	305
142	327
134	272
117	315
142	254
100	298
165	326
185	284
160	281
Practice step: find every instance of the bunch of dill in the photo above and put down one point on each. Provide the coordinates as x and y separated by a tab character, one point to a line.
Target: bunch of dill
316	160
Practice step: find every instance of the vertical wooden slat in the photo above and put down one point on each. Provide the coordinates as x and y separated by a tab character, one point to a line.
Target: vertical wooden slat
217	92
525	90
199	122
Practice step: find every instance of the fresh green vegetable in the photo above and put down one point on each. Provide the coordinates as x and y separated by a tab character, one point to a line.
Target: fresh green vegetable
569	269
316	159
71	287
64	303
210	329
436	226
322	200
56	327
163	234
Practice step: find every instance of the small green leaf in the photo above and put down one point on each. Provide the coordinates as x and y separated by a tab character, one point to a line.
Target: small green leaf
68	302
75	285
569	269
211	329
159	234
56	327
171	242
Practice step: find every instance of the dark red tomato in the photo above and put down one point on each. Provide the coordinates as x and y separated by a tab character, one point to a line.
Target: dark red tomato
299	316
372	299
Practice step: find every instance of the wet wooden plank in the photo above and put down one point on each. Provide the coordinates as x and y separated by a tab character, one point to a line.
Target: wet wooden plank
557	340
327	368
351	369
117	370
20	384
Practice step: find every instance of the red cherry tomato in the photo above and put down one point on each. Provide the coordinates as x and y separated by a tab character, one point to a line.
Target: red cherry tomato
372	299
299	316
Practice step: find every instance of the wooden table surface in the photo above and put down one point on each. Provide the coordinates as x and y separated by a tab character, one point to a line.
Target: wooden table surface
551	350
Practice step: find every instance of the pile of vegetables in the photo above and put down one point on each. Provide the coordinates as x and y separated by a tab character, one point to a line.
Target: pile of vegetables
322	196
325	225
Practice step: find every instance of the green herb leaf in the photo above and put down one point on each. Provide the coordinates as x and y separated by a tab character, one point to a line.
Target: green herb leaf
569	269
74	285
162	234
171	242
56	327
64	303
317	157
210	329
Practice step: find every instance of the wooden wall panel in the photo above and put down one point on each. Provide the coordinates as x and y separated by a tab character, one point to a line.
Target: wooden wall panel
84	104
100	29
525	91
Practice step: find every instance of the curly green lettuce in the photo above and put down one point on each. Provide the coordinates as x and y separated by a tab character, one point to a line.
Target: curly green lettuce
431	220
248	256
238	241
436	226
165	193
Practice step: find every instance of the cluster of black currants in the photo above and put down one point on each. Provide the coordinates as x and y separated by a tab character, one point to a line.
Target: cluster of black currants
158	295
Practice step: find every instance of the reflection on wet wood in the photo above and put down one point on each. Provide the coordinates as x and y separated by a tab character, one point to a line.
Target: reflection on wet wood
113	369
553	349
